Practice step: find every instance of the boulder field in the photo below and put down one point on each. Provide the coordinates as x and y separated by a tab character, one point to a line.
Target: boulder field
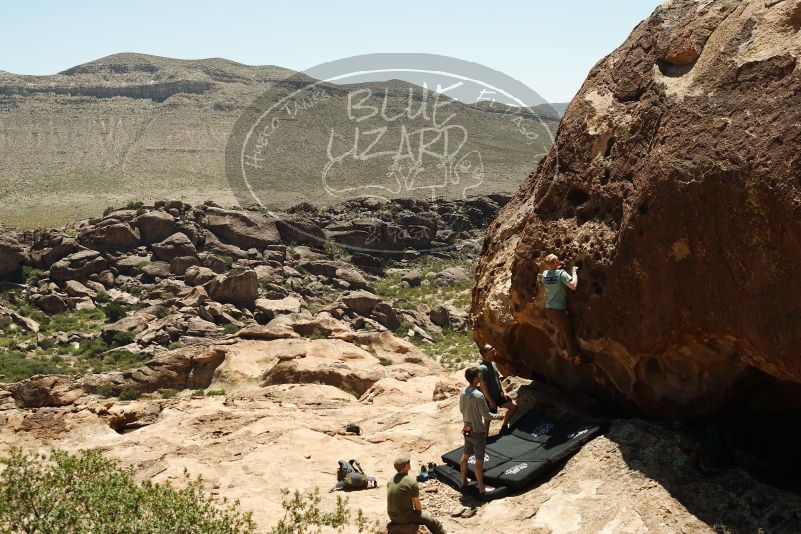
674	186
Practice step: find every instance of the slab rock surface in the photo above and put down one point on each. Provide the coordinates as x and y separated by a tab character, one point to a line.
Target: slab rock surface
288	432
674	186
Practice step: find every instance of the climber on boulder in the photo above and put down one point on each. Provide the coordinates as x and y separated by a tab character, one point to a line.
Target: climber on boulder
555	281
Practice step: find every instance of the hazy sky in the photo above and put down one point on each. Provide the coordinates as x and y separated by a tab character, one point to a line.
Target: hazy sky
548	45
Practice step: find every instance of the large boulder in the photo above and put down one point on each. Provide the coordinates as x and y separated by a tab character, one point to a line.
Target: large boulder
361	302
78	266
110	235
268	309
674	185
155	226
12	254
295	228
50	246
132	324
244	229
175	246
237	287
51	390
325	361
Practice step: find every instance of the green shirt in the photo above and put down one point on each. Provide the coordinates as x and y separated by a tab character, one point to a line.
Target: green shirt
555	283
400	491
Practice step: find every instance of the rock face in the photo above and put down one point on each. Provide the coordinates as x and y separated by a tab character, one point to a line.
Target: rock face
11	254
236	287
687	297
244	230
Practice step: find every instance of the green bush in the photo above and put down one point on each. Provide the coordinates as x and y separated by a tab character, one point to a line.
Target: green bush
231	329
31	275
16	366
106	390
168	393
114	312
130	393
89	348
120	339
87	493
302	515
121	359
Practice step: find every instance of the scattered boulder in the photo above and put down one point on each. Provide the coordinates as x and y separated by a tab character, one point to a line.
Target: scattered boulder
196	326
298	325
353	278
185	368
243	229
110	235
268	309
412	278
449	316
74	288
156	269
131	264
296	228
78	266
12	254
361	302
50	247
194	298
131	324
452	276
180	264
198	276
385	315
155	226
236	287
40	391
49	302
174	246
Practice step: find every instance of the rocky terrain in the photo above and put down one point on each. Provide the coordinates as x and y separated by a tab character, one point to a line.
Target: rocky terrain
674	186
133	127
111	291
230	344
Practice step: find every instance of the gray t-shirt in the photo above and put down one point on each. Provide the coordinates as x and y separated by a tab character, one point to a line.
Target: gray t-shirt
492	380
555	282
474	409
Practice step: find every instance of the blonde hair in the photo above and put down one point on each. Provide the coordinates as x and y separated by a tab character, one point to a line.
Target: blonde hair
551	259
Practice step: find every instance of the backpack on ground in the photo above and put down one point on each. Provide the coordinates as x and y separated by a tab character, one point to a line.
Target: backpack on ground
351	476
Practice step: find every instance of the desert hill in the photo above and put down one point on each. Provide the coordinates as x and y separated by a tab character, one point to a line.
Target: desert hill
132	127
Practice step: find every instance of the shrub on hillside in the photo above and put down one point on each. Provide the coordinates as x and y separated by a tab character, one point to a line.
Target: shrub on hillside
302	515
114	312
87	492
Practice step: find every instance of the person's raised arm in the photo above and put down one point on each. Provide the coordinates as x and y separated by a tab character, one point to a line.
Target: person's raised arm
573	283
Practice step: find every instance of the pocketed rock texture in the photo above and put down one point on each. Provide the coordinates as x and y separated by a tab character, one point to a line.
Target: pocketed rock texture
674	185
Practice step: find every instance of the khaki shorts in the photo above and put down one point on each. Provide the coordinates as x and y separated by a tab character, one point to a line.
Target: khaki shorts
476	444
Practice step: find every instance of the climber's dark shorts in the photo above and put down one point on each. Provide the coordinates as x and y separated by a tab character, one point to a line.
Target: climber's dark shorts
499	403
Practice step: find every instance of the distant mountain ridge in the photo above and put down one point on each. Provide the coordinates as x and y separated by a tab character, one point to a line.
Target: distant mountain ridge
131	127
